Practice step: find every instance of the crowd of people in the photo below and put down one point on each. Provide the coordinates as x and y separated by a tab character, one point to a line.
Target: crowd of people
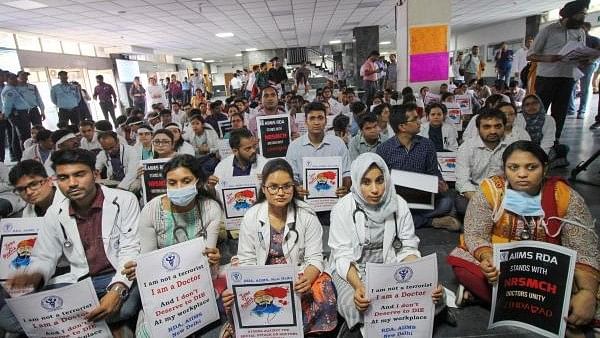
84	179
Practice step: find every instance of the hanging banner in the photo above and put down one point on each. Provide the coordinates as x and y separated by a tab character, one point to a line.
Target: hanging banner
274	135
238	194
534	287
400	295
429	67
321	178
153	182
60	312
265	304
428	39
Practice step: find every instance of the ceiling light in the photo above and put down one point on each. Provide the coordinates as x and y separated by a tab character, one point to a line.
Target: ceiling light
238	54
385	43
197	59
224	35
26	4
209	61
333	42
251	49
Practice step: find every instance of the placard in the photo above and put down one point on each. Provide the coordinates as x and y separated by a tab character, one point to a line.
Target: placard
224	148
265	304
321	178
301	122
447	162
176	289
464	102
400	295
454	114
275	135
17	239
238	194
534	287
224	128
417	189
153	182
60	312
431	98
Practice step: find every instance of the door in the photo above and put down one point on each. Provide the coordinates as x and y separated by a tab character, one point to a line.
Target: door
228	77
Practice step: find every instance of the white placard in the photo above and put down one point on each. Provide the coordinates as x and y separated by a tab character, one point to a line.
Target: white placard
400	295
321	176
416	182
454	114
17	239
238	194
447	162
176	289
431	98
224	148
59	312
265	304
464	101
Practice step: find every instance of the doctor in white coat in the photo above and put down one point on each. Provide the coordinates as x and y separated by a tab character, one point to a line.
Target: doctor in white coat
129	160
96	229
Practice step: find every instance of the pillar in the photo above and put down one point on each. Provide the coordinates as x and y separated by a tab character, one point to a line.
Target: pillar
430	33
366	40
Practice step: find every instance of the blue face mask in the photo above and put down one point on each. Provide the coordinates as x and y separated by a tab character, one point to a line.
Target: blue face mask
182	196
523	204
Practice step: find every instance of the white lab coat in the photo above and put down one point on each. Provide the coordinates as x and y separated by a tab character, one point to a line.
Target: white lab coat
90	145
255	236
225	168
449	135
120	213
130	161
344	233
186	148
29	210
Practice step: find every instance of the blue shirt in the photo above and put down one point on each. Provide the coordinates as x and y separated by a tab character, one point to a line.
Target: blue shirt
31	95
11	99
420	158
185	86
238	171
65	95
330	146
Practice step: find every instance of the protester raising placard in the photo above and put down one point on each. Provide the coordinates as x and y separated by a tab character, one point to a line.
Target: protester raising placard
153	182
274	135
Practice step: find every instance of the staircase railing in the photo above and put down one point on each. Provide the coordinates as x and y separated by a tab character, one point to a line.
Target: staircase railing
318	61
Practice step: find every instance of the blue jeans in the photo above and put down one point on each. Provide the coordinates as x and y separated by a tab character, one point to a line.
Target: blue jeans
129	309
585	83
444	202
505	74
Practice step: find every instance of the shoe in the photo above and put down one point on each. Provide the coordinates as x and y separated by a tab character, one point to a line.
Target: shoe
580	116
595	125
446	222
560	162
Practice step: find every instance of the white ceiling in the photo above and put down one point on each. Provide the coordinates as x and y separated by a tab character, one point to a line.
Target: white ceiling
188	27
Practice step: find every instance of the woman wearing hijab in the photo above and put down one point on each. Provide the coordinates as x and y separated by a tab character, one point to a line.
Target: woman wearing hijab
541	127
372	224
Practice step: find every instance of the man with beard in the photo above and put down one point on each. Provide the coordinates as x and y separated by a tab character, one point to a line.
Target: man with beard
554	82
481	157
269	106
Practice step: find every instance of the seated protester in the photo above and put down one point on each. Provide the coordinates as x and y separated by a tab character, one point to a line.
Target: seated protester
41	149
215	116
119	160
89	137
203	139
143	146
367	139
32	140
483	90
447	97
348	98
185	212
540	127
463	89
10	202
316	143
33	185
514	129
387	97
181	146
334	105
71	231
265	239
480	157
153	119
391	235
377	100
410	152
443	134
104	125
383	112
237	122
133	123
177	115
510	207
517	94
63	139
341	127
165	118
163	142
358	109
269	106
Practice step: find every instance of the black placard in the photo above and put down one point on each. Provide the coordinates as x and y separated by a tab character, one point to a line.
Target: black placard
274	134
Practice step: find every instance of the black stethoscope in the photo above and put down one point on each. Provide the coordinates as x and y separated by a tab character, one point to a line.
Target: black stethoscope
67	243
178	229
396	244
291	228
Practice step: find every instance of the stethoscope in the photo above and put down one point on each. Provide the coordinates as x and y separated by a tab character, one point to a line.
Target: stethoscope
291	228
178	229
396	243
67	243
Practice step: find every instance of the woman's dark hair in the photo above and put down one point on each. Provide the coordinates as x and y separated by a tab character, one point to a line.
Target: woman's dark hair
436	105
493	100
409	98
380	107
270	167
526	146
195	166
179	143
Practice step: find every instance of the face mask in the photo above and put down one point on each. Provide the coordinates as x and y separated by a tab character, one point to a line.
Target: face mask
182	196
523	204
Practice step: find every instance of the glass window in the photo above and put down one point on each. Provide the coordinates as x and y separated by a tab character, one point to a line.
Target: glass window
70	47
87	49
7	40
51	46
28	42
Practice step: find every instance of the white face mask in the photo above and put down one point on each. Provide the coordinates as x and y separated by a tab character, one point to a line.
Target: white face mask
182	196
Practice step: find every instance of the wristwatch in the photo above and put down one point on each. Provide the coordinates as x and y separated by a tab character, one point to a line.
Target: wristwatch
120	289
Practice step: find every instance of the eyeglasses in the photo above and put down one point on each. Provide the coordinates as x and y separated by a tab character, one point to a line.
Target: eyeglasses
33	185
274	189
161	142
